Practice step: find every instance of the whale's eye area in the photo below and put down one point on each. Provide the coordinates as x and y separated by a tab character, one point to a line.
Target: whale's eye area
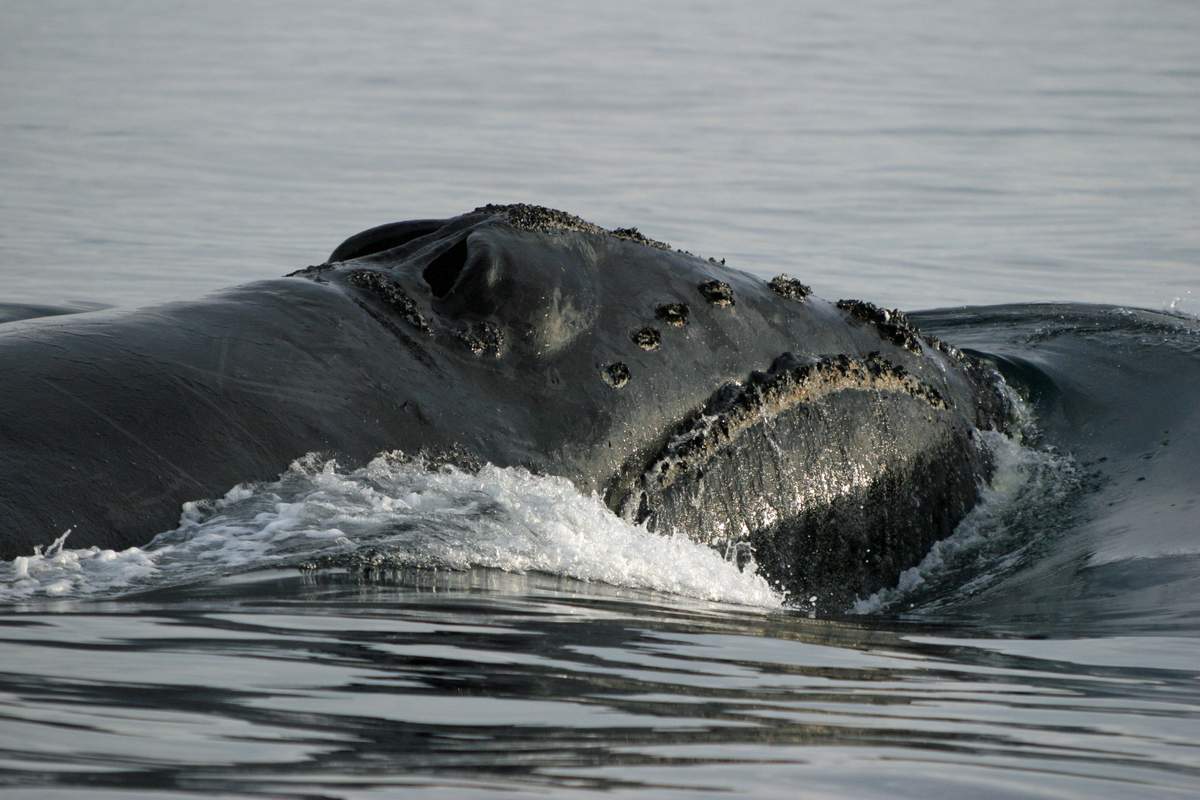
442	273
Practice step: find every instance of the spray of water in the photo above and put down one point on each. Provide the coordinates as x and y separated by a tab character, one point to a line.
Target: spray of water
400	510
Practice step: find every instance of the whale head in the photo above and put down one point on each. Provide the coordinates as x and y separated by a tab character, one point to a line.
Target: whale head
829	442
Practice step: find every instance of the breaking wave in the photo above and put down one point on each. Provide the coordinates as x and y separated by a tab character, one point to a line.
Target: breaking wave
397	513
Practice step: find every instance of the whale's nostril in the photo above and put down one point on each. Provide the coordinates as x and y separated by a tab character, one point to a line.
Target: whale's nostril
442	273
382	238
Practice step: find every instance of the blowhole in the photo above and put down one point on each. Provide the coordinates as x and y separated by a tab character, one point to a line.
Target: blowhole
383	238
442	272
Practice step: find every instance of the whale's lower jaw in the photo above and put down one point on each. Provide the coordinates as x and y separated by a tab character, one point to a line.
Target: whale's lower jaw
833	474
860	541
832	500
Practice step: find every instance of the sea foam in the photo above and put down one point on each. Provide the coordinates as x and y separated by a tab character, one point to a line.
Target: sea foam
444	518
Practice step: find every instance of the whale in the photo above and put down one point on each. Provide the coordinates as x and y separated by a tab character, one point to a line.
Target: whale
826	444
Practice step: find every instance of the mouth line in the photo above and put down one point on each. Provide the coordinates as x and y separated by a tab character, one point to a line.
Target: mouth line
791	381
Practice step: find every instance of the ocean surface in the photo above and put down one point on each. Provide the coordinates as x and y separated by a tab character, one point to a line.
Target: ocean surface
520	639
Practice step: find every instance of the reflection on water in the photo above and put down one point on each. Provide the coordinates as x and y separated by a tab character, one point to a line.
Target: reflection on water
276	685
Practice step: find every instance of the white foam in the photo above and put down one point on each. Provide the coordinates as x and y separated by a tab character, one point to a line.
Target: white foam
54	571
506	519
1186	304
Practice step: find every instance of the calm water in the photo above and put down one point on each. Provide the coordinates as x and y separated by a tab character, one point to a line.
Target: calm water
917	154
924	154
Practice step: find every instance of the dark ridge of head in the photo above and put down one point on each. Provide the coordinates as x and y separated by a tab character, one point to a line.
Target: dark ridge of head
383	237
14	312
523	216
548	220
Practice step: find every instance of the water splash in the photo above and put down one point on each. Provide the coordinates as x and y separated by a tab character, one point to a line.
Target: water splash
503	518
1185	304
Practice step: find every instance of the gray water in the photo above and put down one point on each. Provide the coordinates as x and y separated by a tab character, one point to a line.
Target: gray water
922	154
917	154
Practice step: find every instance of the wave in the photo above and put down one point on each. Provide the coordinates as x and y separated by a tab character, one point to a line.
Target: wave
394	513
1023	506
399	514
1115	388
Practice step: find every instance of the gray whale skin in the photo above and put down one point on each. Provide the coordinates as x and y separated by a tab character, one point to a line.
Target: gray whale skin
831	440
